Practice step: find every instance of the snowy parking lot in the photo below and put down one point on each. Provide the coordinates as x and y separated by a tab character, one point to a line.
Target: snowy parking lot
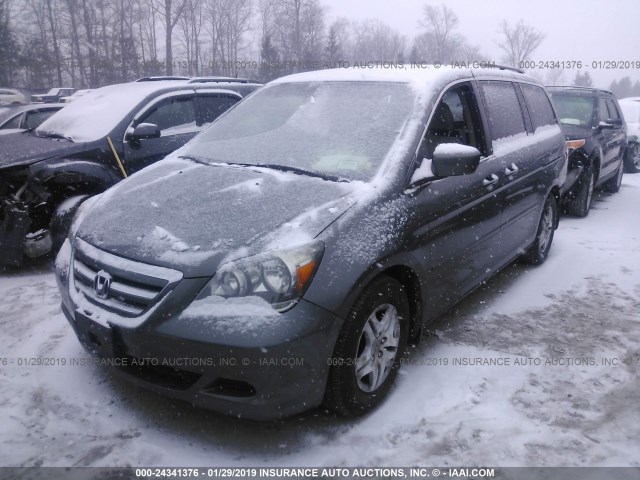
541	366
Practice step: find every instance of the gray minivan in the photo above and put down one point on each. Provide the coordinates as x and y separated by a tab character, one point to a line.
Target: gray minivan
288	254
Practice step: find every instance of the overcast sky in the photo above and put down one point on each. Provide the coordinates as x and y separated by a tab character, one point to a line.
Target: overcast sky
585	30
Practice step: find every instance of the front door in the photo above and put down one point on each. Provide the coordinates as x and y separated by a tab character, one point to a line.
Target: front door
457	221
176	118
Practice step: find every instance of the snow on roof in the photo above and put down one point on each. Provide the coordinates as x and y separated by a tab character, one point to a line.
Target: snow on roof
401	74
376	74
96	114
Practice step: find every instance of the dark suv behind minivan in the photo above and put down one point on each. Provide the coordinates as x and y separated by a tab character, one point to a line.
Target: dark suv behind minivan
289	253
92	144
596	131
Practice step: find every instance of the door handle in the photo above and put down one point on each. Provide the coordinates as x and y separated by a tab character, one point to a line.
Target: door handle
490	180
511	170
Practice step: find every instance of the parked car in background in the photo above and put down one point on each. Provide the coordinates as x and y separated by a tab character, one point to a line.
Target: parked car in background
290	253
52	96
593	123
12	97
631	111
26	117
75	96
90	145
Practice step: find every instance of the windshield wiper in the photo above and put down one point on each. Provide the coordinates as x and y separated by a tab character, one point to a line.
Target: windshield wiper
298	171
53	135
195	159
272	166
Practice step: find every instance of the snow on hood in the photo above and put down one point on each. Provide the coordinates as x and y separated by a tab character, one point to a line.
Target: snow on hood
94	115
189	216
25	149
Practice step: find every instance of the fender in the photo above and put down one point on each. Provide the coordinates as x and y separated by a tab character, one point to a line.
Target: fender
74	172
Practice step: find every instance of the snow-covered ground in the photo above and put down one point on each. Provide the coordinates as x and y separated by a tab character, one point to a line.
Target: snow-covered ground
583	303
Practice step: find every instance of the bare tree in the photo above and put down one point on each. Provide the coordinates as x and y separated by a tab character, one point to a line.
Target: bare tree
170	11
377	41
519	42
439	24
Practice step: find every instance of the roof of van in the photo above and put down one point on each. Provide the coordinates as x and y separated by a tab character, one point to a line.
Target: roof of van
404	74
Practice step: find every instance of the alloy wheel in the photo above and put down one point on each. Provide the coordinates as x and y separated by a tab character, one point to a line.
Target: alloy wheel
377	347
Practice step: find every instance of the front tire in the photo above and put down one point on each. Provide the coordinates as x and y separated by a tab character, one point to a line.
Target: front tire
579	202
369	348
539	250
632	158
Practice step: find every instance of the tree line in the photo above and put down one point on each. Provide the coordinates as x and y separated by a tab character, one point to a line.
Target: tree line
91	43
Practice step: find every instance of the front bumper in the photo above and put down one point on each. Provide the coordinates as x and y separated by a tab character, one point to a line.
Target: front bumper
258	368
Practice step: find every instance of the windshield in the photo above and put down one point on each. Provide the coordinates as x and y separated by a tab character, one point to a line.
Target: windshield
53	91
574	109
341	129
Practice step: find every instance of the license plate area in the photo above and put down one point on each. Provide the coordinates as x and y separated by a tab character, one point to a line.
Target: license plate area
97	338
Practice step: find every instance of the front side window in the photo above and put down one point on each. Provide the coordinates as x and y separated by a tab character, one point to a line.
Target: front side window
455	120
539	107
172	115
503	109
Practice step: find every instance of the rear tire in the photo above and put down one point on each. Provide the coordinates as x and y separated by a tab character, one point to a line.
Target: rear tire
613	185
539	250
632	158
369	349
581	196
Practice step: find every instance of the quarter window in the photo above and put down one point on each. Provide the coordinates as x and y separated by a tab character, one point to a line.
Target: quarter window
603	112
503	108
540	109
613	111
15	122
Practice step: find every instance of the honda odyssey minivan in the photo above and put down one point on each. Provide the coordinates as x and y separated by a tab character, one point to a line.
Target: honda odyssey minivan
287	255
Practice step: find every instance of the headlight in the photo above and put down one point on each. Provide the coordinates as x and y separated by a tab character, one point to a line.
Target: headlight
280	276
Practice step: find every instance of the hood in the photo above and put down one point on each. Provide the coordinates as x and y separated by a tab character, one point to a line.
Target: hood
25	149
193	217
574	132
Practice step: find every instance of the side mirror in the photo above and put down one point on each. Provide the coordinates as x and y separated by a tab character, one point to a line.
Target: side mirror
144	131
453	159
610	123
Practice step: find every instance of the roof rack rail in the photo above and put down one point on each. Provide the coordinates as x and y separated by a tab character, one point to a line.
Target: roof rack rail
218	80
160	78
580	87
503	67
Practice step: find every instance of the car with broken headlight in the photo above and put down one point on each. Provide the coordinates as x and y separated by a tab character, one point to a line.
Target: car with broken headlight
90	145
289	254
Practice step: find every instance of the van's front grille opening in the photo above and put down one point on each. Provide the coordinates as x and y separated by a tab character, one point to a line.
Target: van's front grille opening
119	285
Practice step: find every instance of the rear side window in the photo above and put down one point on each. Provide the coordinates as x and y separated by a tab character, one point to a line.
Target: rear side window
212	106
540	109
503	108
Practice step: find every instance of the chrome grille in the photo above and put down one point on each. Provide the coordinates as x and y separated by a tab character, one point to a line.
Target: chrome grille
133	288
